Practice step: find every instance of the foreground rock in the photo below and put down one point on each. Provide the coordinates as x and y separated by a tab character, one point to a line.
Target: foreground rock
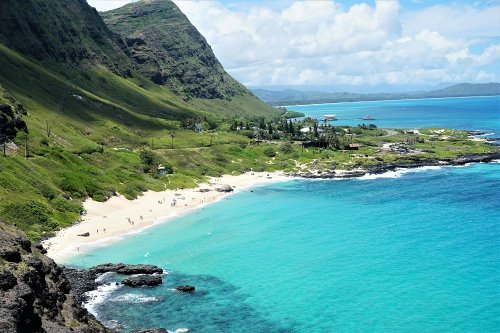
35	295
224	188
127	269
81	281
141	280
185	289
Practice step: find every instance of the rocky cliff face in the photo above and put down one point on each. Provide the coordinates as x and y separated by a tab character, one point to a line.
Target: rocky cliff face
11	113
68	31
169	50
35	295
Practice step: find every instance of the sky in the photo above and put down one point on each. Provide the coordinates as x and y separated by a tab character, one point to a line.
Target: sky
351	45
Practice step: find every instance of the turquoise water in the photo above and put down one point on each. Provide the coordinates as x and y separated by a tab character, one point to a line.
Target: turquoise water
471	113
408	251
412	251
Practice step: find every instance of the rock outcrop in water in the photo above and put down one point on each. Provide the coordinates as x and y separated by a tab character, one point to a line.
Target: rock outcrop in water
126	269
185	289
35	295
141	280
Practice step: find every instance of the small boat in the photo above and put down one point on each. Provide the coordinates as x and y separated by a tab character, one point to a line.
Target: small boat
330	117
368	117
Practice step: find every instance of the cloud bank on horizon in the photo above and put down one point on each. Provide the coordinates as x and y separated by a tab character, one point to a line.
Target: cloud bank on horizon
350	43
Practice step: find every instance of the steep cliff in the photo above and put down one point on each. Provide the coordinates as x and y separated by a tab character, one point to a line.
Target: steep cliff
170	51
35	296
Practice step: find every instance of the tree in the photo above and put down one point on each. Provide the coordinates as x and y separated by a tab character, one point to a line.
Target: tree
262	124
270	128
291	129
315	126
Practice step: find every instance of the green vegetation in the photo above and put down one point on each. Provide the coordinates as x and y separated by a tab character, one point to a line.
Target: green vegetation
45	191
83	114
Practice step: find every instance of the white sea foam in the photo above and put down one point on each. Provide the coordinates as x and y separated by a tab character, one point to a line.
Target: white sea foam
181	330
98	296
398	172
103	277
133	298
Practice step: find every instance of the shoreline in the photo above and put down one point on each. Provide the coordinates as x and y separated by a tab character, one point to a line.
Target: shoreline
110	221
386	100
157	207
386	167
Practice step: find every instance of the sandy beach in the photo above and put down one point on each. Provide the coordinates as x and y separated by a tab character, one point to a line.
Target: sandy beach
109	221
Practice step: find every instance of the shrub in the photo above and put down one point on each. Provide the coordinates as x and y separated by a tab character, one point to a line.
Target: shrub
248	134
47	191
287	148
27	213
269	152
64	205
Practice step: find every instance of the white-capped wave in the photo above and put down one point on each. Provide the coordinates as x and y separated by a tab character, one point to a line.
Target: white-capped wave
133	298
180	330
98	296
103	277
398	172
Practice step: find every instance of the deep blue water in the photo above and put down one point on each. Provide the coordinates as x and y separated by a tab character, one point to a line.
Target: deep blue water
471	113
411	251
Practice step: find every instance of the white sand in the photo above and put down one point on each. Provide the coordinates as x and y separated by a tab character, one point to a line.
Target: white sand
109	221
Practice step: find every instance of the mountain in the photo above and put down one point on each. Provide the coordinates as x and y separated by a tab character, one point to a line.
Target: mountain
169	50
61	32
59	49
466	89
294	97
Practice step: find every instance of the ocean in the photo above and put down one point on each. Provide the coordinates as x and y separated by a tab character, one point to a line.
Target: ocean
407	251
471	113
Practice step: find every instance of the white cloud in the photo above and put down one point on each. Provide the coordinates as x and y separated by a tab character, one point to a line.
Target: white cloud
321	43
455	21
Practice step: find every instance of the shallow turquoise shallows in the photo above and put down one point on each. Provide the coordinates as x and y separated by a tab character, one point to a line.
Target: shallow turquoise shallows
409	251
413	251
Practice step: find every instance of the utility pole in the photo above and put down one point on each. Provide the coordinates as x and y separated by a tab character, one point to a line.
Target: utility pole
48	129
26	147
4	140
172	135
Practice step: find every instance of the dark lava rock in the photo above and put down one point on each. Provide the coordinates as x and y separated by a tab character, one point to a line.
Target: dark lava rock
81	281
7	279
224	188
141	280
185	289
85	234
127	269
10	253
35	295
39	246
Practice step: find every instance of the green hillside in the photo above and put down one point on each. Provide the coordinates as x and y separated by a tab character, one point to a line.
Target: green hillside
78	112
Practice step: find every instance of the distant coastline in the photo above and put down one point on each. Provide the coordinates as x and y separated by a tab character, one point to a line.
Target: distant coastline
387	100
290	97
